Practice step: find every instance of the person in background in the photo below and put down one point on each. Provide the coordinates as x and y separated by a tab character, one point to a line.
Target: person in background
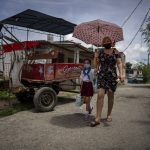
86	79
106	60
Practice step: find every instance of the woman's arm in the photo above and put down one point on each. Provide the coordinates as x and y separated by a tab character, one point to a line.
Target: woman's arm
119	65
96	61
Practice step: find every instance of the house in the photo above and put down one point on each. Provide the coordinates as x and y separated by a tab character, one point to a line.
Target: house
137	72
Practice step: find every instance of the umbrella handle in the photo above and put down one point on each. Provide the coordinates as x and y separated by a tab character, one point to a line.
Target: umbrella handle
113	43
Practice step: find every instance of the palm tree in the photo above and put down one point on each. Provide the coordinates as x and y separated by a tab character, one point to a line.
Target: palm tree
128	67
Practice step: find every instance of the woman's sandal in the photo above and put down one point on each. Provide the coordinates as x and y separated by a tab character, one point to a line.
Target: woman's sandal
94	123
109	119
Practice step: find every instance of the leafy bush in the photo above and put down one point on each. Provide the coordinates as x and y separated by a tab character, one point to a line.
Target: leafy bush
4	95
146	73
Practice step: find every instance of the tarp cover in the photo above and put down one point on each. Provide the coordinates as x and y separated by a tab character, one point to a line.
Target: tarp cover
39	21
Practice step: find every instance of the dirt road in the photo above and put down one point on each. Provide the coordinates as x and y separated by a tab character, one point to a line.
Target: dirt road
66	127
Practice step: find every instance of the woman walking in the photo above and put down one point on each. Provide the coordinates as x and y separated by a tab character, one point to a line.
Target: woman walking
106	60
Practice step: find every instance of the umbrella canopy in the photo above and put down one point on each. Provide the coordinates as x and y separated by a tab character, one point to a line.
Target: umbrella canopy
93	32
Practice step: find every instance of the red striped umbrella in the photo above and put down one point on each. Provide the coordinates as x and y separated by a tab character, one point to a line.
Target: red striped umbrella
93	32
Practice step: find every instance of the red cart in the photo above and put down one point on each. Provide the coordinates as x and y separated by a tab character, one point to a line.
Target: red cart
43	81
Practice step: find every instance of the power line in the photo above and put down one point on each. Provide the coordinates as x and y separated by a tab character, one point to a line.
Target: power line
131	13
138	30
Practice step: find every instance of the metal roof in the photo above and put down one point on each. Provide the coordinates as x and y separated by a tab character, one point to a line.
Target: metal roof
39	21
71	45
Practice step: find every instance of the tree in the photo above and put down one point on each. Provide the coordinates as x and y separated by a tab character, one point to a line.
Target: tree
128	67
145	71
139	66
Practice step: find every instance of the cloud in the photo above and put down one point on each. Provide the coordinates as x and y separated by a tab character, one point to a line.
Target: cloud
78	11
135	53
71	38
59	2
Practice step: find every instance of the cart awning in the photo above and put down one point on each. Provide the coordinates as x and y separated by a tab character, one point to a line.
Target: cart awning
39	21
19	47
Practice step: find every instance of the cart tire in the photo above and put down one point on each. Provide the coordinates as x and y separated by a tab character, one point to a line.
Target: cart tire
45	99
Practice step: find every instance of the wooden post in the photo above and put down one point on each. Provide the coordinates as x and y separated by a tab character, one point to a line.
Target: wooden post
78	56
148	56
148	59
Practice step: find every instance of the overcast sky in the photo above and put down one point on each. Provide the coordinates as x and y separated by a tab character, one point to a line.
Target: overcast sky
78	11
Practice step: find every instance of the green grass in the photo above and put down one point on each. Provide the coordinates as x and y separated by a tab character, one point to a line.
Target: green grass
5	95
14	109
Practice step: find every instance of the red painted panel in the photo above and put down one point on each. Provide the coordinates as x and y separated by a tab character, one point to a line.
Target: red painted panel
49	71
33	71
64	71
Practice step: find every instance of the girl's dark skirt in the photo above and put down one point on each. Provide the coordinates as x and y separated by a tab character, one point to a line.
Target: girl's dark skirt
87	89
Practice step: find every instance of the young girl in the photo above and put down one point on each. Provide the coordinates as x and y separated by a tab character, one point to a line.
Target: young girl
86	79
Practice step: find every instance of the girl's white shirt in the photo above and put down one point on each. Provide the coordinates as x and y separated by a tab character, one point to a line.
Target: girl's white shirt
85	77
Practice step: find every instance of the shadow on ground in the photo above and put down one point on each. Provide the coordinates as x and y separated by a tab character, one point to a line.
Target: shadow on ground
76	120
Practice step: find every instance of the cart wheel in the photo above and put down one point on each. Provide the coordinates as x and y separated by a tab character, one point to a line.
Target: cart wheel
45	99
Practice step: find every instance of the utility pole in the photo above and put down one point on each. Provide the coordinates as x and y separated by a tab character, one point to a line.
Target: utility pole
148	56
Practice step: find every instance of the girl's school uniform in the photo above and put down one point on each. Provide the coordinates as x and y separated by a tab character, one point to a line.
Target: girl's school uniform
87	82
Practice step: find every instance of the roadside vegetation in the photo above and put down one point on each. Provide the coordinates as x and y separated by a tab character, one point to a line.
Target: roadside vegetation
145	69
9	105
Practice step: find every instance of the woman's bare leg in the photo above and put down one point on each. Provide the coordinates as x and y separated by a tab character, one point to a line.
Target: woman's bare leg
87	103
88	107
99	104
110	103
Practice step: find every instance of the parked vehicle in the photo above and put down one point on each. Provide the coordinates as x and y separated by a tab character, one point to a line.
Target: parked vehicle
138	79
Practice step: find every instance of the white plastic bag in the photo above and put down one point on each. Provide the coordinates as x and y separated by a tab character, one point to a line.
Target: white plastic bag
79	100
95	86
